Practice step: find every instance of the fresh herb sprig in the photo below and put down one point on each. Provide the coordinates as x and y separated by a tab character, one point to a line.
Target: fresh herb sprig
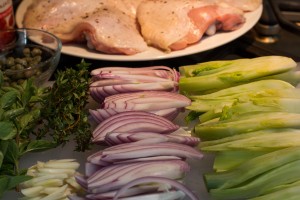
65	108
30	114
20	108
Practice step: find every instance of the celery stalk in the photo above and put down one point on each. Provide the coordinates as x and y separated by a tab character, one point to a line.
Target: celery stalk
278	139
227	97
246	123
253	168
206	68
286	191
226	109
233	138
227	160
263	104
291	76
253	89
245	136
203	105
287	173
241	72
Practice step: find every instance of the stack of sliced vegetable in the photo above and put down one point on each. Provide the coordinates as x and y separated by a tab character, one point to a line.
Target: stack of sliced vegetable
147	153
249	117
151	89
54	179
108	81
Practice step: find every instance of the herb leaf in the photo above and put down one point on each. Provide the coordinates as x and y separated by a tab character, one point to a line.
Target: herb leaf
7	130
36	145
8	99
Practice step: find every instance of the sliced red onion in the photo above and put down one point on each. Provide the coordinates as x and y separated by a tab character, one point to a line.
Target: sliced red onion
108	180
136	150
139	189
115	138
143	195
91	168
81	180
159	71
138	78
159	180
99	93
76	197
96	95
146	101
133	121
108	82
170	195
187	140
153	158
99	115
170	113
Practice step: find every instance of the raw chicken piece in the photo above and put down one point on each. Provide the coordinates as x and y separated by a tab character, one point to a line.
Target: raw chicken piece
113	35
108	25
59	17
174	24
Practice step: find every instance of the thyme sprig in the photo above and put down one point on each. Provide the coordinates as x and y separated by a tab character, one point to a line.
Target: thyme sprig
65	108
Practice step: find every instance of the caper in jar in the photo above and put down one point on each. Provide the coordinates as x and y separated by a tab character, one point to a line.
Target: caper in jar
24	62
36	52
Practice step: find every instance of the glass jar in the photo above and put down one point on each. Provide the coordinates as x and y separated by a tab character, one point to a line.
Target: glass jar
7	20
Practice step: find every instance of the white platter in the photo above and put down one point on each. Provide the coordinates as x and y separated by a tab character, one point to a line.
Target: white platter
206	43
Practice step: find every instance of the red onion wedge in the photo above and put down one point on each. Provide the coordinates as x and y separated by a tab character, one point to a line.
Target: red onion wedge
166	104
75	197
109	82
99	93
137	78
115	138
80	179
133	121
113	177
114	80
159	180
139	189
146	101
155	71
99	115
135	150
154	158
134	194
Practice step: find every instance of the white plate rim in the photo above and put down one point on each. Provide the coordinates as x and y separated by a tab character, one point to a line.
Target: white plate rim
205	44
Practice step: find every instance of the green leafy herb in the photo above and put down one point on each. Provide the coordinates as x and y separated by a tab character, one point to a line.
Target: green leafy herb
39	118
65	108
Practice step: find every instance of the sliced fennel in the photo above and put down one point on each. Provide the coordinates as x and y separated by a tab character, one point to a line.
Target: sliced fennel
206	77
227	160
265	140
51	180
256	176
284	174
246	123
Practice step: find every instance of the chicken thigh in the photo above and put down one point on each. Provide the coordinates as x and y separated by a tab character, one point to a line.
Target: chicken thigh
175	24
107	25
